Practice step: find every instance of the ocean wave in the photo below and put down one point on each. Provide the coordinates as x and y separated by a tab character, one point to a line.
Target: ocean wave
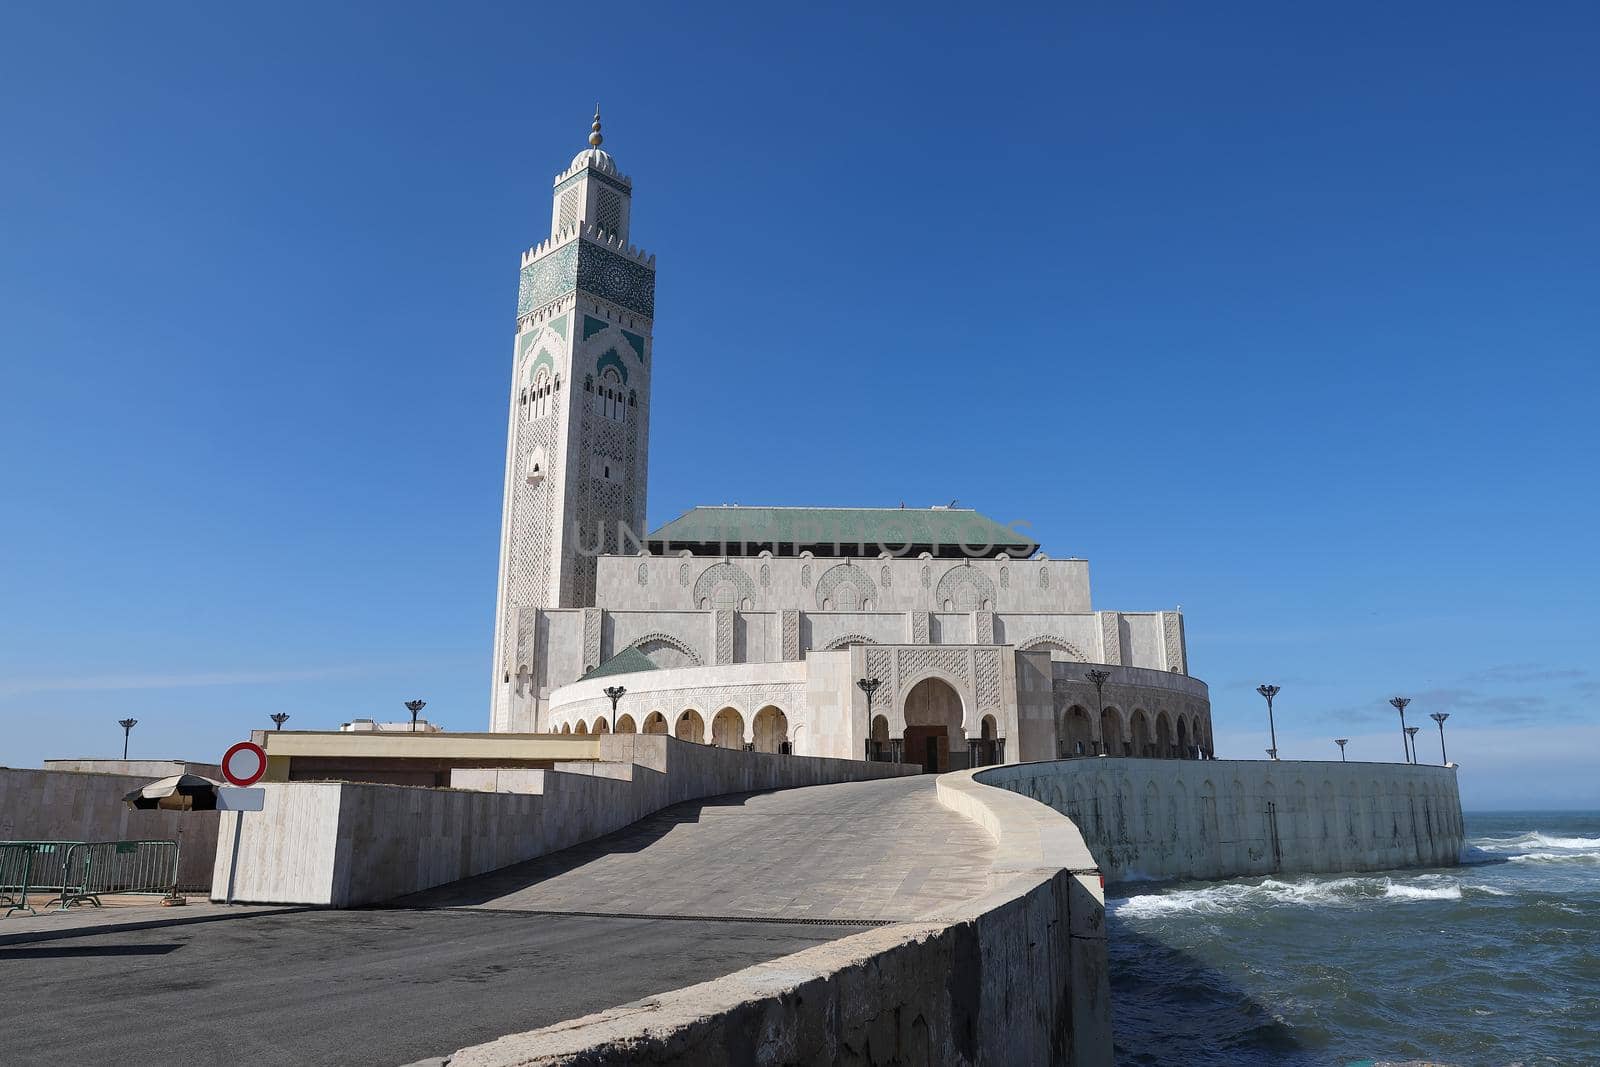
1231	897
1532	839
1555	857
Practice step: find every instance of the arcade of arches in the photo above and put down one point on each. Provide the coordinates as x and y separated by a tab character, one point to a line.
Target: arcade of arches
767	731
1159	736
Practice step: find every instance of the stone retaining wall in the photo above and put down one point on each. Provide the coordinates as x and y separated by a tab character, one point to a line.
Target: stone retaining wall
345	844
1148	818
1016	976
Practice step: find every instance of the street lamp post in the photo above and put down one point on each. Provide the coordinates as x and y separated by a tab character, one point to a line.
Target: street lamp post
414	706
1439	717
127	728
869	686
1400	705
616	693
1341	742
279	718
1098	677
1270	691
1411	732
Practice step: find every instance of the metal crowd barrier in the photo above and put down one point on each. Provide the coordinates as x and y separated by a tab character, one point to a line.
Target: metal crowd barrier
80	872
30	867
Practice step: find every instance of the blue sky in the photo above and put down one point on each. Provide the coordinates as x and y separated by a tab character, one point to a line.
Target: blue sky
1287	316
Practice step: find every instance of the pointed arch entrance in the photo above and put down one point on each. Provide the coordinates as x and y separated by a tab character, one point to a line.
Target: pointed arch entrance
934	715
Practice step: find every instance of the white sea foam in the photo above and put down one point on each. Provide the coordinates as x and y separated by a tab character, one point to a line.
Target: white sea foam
1400	891
1229	897
1489	889
1555	857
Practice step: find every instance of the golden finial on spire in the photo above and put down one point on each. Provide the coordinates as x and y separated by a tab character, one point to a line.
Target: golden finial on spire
594	131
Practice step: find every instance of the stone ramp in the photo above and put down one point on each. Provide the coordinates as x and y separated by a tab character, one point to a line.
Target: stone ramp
857	853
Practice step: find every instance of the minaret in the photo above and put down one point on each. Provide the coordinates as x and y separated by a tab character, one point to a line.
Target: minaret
577	442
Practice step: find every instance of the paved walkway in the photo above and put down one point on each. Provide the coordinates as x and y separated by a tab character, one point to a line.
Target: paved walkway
693	893
883	851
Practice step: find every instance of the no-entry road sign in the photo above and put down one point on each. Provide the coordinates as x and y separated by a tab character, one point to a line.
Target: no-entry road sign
244	763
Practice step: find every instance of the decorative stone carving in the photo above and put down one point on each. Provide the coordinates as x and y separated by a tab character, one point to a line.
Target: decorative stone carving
714	583
1054	644
724	623
987	664
766	576
671	640
919	627
846	640
983	628
886	576
644	574
880	665
805	576
927	577
845	588
1005	577
965	588
1111	637
683	574
527	623
1172	631
593	619
952	662
1044	576
789	627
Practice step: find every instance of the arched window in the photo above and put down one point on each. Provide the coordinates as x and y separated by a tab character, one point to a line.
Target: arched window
609	398
537	396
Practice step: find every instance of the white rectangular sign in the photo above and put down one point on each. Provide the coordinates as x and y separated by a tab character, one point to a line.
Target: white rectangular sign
232	798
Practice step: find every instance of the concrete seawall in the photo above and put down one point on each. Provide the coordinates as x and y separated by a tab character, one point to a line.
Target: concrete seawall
1145	818
345	844
1016	976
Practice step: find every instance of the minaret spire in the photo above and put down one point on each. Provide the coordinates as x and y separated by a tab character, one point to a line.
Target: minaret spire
594	131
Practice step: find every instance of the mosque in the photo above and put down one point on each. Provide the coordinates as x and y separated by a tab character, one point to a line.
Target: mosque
926	635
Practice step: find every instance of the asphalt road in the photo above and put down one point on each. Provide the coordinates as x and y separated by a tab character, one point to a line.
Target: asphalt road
350	988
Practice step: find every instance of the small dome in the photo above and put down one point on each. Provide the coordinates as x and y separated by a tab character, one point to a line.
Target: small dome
598	158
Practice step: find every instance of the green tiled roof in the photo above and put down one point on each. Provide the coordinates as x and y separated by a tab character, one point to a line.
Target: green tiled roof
819	529
627	661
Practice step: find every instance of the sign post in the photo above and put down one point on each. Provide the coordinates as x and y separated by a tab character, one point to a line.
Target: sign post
242	765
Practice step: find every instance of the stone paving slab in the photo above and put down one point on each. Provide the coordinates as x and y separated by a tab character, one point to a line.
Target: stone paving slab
884	851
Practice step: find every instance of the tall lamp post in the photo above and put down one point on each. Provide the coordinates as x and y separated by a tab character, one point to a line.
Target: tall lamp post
1400	706
1098	677
414	706
1439	717
869	686
1341	742
279	718
127	728
1270	691
1411	732
616	693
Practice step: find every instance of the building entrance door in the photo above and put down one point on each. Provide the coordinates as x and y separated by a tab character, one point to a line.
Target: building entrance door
930	762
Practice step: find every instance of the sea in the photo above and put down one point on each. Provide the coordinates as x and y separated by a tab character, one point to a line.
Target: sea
1494	962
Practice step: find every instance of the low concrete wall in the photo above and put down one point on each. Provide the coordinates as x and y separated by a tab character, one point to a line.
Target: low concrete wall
1147	818
344	844
1017	976
58	805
